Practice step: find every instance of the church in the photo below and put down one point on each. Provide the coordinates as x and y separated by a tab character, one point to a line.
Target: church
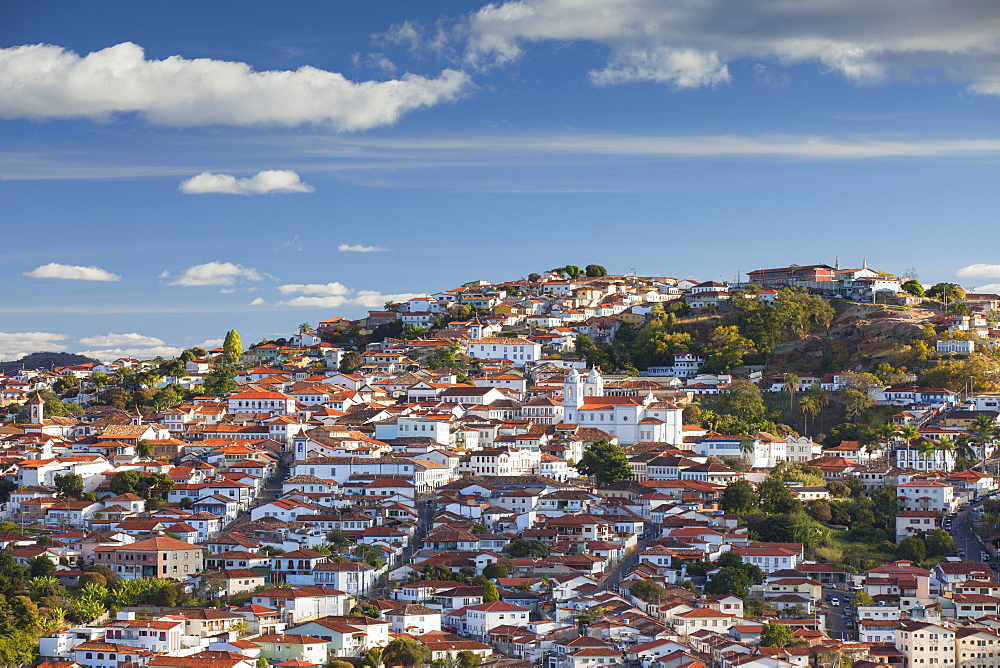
632	419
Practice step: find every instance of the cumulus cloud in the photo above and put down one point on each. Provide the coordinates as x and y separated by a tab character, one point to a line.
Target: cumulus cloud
359	248
132	339
269	181
71	272
979	271
45	81
333	295
257	302
689	44
323	289
15	345
214	273
991	288
109	354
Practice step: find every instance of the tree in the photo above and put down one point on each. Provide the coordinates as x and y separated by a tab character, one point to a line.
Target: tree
351	361
775	497
648	591
940	543
40	566
912	548
596	270
490	592
519	548
220	380
726	348
69	485
144	448
946	292
91	578
262	662
305	327
606	462
862	598
125	482
232	347
914	287
405	651
776	635
373	659
495	571
819	510
738	497
534	276
572	271
468	659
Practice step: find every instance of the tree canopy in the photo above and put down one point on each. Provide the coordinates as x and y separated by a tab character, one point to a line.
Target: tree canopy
606	462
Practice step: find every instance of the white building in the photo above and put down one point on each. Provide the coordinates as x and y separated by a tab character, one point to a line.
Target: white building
926	495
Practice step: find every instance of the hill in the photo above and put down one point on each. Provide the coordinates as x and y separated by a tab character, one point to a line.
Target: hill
45	361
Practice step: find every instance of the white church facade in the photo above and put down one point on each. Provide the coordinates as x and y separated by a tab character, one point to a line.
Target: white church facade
632	419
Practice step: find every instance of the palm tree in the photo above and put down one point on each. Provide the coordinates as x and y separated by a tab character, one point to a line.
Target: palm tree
822	397
886	433
908	433
792	384
946	445
984	430
305	327
747	448
965	454
925	448
809	405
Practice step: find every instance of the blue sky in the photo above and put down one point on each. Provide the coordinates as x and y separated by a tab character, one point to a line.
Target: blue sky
169	171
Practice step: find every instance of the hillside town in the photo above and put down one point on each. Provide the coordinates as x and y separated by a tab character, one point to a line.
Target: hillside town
570	470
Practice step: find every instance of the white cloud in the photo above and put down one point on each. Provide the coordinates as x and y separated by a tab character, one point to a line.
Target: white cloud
72	272
685	68
208	344
46	81
322	289
132	339
214	273
270	181
992	288
359	248
979	271
689	44
15	345
315	302
334	295
258	301
150	352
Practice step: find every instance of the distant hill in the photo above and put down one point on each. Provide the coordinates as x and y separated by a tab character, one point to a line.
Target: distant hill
44	361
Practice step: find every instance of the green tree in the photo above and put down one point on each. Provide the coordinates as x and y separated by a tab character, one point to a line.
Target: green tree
739	497
649	591
220	380
914	287
775	497
862	598
468	659
405	651
776	635
490	592
351	362
69	485
232	347
92	578
41	566
144	448
596	270
912	548
940	543
726	348
262	662
946	292
495	571
588	350
572	271
519	548
606	462
125	482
